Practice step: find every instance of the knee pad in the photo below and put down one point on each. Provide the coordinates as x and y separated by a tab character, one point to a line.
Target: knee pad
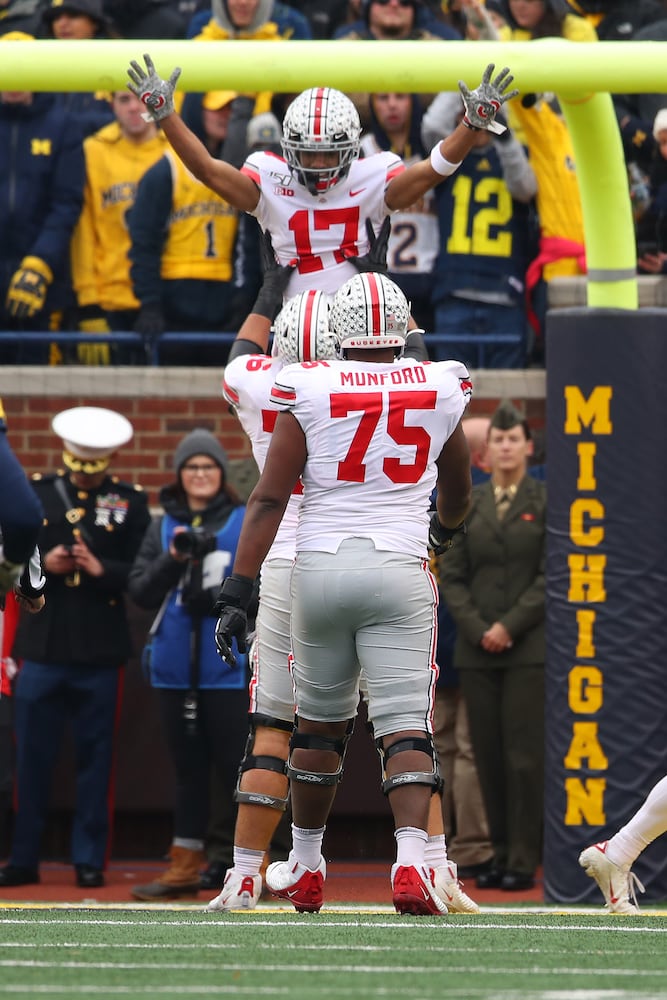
263	762
310	741
425	745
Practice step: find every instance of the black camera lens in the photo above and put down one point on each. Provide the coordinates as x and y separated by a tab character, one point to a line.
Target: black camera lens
194	543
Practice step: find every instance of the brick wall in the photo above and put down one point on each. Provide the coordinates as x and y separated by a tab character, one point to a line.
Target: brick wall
165	404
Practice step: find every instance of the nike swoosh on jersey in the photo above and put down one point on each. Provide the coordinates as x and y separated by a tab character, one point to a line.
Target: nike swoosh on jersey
353	194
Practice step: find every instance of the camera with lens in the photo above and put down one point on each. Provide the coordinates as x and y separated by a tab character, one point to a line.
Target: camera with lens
195	543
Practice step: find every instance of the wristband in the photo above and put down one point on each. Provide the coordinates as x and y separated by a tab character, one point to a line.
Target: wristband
235	592
441	165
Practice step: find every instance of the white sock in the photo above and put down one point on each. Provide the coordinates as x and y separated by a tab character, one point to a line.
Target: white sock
648	822
189	843
247	862
410	846
435	855
306	846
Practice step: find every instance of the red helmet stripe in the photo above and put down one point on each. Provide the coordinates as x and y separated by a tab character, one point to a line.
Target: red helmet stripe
309	328
376	293
319	112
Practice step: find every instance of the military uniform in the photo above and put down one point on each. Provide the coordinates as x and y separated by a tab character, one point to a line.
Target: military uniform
496	573
73	651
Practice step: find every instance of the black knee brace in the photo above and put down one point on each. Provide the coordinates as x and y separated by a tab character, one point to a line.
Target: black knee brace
251	762
310	741
425	745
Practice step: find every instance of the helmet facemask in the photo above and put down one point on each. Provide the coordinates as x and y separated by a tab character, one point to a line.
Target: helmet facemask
321	120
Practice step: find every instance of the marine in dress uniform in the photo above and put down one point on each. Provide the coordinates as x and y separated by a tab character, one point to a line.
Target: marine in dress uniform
73	651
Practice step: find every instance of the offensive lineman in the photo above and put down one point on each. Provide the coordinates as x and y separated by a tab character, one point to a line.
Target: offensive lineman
301	333
316	199
362	595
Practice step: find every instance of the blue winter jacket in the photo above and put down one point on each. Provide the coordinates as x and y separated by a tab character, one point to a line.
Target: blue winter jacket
41	186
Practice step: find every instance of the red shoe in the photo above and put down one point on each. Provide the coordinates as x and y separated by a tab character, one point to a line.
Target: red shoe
414	891
303	887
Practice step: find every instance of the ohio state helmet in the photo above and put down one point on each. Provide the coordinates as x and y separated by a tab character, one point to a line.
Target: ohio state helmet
321	120
301	329
370	310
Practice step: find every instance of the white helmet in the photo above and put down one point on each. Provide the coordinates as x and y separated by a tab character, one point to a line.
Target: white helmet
370	310
301	329
321	120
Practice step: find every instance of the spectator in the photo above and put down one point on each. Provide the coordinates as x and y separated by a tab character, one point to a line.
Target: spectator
337	629
322	179
41	191
116	158
326	17
493	583
609	863
618	20
73	651
487	237
413	244
540	126
652	226
393	21
188	254
149	18
81	20
184	555
528	19
256	19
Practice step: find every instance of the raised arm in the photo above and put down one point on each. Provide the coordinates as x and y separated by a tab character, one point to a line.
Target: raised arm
481	107
158	97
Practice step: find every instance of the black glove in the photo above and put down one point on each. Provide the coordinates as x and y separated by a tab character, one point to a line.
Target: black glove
150	320
231	609
276	276
439	537
376	258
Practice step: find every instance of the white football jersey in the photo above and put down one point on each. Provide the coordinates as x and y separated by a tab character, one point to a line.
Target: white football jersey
415	239
247	385
372	450
320	231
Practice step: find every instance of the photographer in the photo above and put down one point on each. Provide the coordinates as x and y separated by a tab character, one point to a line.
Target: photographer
184	555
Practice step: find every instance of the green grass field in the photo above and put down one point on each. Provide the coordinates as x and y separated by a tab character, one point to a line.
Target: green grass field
341	953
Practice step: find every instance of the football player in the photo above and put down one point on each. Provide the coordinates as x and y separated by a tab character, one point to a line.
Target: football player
316	198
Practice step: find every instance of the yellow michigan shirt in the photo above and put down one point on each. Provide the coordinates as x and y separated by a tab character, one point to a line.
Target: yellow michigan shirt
201	230
101	241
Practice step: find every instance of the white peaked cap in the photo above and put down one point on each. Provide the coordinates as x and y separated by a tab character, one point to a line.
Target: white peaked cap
92	431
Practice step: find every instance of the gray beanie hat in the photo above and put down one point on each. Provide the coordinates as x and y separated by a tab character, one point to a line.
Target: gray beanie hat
200	442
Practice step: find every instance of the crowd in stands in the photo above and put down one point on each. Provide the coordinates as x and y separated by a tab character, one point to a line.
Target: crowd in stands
104	230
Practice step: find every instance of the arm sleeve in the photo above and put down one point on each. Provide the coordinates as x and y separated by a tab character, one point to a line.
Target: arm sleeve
518	174
153	572
53	242
147	223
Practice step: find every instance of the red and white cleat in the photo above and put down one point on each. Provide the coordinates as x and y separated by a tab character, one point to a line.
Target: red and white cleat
414	891
301	886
